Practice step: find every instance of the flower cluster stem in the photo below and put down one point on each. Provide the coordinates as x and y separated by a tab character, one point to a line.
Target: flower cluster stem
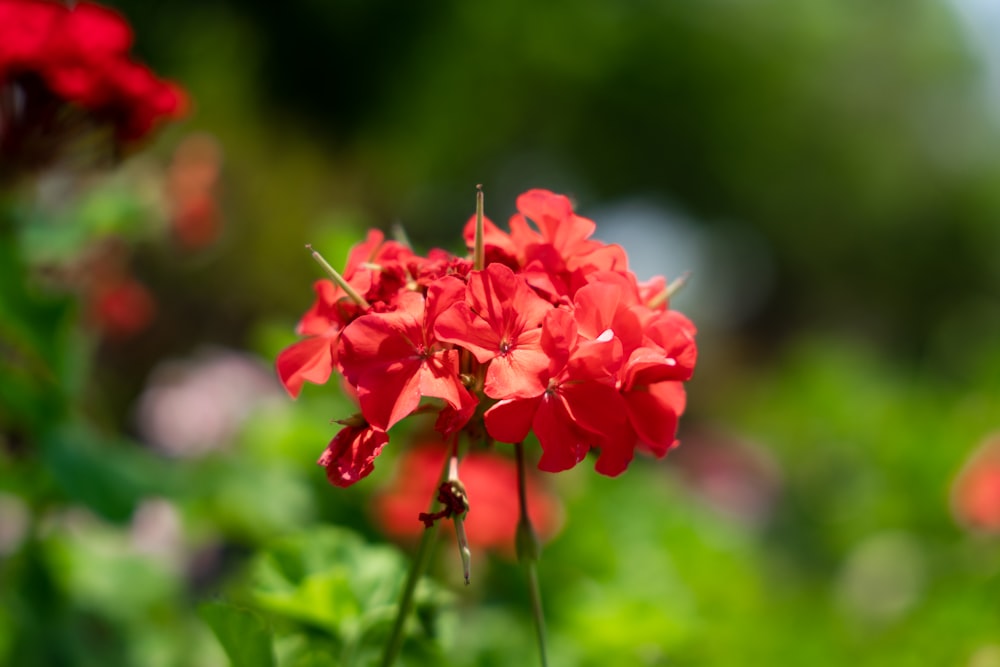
417	570
536	610
528	552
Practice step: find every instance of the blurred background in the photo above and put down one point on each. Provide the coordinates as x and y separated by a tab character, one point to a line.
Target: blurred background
828	171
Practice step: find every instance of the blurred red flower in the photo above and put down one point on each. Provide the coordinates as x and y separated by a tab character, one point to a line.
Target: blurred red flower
191	188
976	492
64	70
121	307
491	483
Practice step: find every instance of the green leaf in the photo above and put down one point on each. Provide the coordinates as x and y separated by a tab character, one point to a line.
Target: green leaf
244	635
106	474
331	580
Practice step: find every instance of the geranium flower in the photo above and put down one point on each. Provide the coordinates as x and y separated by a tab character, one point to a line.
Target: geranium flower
553	335
499	322
394	358
579	403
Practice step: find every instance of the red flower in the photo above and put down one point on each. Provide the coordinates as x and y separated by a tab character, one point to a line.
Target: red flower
394	359
976	492
69	70
579	404
122	307
350	456
499	322
555	328
491	482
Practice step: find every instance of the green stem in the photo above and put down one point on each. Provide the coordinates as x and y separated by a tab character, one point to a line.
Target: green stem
417	569
536	609
528	552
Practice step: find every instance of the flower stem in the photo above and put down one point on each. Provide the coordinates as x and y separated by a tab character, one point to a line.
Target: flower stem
536	610
528	552
458	519
417	569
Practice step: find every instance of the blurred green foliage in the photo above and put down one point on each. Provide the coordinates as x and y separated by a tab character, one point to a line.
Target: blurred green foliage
857	140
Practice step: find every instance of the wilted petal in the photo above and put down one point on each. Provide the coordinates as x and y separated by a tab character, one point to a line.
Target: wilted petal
351	454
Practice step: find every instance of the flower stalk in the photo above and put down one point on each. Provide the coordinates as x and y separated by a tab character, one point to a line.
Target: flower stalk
528	553
417	570
459	518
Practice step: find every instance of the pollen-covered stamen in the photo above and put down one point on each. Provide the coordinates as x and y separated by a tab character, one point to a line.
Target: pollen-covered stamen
505	346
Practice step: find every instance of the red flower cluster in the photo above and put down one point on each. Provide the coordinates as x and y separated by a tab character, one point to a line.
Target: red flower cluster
53	55
553	335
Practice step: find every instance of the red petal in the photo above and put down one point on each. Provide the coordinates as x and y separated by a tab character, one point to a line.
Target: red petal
563	445
390	395
521	373
653	412
350	456
597	360
493	237
93	30
450	419
442	294
510	421
323	314
438	377
308	360
460	326
373	342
